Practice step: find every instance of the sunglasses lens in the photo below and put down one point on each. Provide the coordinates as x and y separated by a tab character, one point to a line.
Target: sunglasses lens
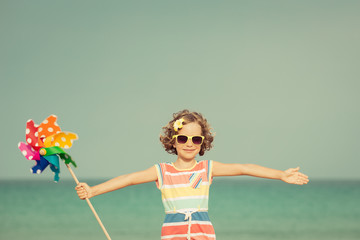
182	139
197	140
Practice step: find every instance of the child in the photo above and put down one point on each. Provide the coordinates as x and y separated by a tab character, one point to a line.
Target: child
184	184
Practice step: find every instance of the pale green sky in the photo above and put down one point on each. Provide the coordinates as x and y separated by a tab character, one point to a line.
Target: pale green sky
278	81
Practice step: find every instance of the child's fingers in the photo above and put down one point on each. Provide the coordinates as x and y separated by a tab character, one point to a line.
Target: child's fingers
81	190
82	194
302	180
80	185
303	175
293	170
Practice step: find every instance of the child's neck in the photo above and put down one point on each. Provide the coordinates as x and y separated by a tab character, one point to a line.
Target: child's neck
183	164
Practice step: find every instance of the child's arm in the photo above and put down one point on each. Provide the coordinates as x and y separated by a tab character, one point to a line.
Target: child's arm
292	175
85	191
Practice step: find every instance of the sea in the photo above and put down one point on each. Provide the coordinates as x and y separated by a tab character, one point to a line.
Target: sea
239	208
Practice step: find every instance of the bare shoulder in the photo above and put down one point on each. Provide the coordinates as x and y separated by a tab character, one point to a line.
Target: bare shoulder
151	173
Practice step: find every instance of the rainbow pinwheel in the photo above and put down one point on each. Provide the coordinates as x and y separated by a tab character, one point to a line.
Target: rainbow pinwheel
45	143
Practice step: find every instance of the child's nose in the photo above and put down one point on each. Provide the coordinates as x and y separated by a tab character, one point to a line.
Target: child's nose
189	143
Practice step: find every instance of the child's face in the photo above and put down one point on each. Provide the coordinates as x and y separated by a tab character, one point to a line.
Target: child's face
188	150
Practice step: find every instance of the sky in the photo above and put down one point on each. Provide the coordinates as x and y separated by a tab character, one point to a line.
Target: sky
277	80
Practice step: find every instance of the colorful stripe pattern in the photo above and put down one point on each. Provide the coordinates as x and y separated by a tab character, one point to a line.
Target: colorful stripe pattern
185	195
195	180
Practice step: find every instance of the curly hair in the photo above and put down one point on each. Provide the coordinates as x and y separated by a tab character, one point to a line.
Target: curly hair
189	117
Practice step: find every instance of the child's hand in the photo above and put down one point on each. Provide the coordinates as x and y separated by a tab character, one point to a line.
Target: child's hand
293	176
83	190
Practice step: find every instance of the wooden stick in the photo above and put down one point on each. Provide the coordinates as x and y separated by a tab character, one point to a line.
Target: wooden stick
89	203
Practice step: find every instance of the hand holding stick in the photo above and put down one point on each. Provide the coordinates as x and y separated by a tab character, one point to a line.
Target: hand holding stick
90	205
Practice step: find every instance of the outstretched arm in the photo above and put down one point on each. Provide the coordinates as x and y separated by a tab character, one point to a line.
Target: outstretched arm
292	175
85	191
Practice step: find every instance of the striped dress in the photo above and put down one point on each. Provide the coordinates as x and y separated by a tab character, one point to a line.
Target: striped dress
185	194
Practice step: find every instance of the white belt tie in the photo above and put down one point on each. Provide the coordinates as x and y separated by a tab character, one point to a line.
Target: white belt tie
188	216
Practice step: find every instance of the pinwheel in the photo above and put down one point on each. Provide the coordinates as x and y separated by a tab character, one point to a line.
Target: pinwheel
45	144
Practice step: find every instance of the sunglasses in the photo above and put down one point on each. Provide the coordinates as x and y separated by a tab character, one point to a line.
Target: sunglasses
182	139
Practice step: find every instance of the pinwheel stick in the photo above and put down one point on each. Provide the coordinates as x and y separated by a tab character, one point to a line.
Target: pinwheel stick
89	203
